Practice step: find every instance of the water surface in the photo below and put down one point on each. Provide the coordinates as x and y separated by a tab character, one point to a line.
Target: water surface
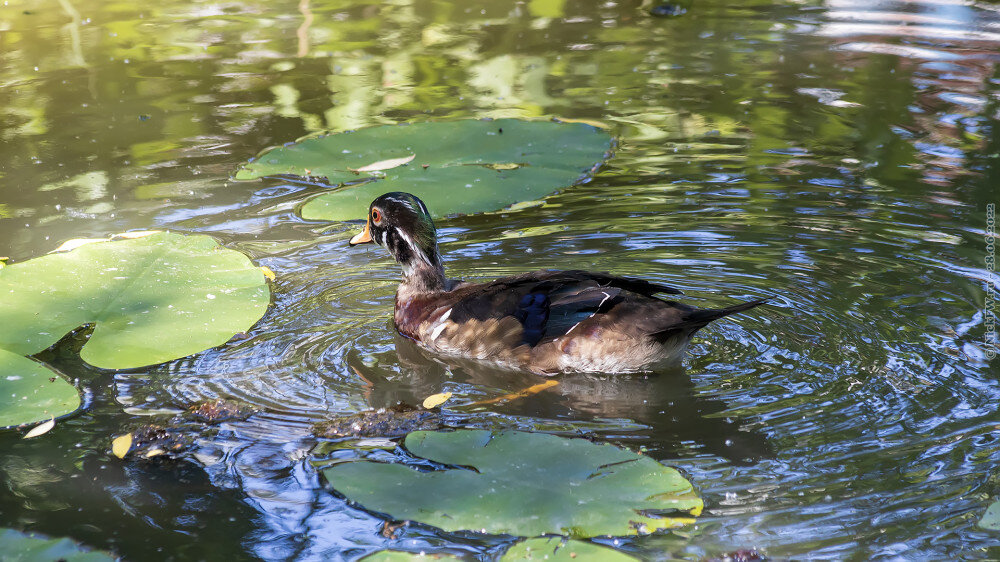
837	155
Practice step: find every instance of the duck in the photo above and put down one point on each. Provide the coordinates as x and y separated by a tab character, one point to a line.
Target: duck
546	322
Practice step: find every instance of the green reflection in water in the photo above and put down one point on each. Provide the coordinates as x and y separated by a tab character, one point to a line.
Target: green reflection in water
840	154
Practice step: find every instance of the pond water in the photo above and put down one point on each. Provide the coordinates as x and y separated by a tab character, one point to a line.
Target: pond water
838	155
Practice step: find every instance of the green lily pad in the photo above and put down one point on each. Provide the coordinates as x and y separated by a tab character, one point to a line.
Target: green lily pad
525	484
458	166
151	299
991	519
29	392
16	546
557	549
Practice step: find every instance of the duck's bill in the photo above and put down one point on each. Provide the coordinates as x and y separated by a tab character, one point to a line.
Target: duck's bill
364	238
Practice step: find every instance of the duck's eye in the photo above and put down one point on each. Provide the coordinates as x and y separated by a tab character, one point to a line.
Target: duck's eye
376	217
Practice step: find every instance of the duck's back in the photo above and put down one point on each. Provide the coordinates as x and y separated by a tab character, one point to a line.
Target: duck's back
555	321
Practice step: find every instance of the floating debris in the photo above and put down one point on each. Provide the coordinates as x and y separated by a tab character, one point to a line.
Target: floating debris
742	555
220	410
150	441
391	529
384	422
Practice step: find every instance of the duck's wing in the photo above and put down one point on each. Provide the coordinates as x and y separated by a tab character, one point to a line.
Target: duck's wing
633	284
547	278
546	304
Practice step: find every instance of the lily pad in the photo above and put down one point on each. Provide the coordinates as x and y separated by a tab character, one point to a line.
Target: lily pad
525	484
557	549
151	299
29	392
456	166
29	547
991	519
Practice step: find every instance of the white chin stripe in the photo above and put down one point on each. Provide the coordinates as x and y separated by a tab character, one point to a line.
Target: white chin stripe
413	245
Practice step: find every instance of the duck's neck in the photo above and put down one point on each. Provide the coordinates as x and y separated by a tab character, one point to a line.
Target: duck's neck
420	276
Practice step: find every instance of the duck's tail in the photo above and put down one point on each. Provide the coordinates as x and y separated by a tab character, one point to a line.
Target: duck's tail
698	318
703	316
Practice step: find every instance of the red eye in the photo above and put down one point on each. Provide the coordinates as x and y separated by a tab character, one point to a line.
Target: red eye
376	217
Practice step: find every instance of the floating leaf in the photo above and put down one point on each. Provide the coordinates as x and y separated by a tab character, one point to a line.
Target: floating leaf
75	243
991	519
121	445
524	484
385	164
558	549
150	299
136	234
153	453
29	392
40	429
268	273
15	545
466	166
435	400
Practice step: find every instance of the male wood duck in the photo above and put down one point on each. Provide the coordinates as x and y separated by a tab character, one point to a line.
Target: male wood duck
546	321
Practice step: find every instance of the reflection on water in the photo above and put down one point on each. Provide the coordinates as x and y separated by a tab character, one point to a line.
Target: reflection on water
838	154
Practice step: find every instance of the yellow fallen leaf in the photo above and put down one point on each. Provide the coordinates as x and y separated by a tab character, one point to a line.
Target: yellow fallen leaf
40	429
136	234
267	272
121	445
435	400
154	452
504	166
75	243
384	164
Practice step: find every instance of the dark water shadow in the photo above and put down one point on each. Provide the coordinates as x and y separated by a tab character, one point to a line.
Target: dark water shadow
74	488
662	411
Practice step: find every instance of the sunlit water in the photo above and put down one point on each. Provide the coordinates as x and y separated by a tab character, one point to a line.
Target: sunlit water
838	155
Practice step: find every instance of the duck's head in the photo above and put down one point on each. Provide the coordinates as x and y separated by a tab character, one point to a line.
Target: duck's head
401	223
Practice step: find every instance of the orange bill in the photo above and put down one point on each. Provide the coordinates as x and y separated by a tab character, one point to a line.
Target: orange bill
363	238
